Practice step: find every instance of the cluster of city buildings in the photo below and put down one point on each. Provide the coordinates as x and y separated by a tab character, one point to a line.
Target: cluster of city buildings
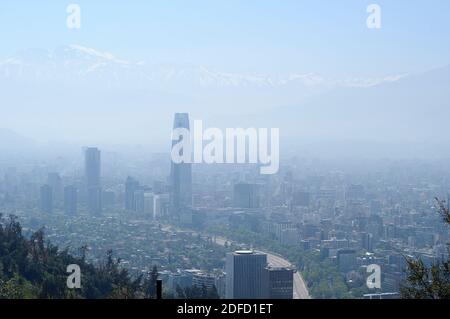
352	216
248	276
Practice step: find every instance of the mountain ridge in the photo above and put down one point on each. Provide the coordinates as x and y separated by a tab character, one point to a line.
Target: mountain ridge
85	62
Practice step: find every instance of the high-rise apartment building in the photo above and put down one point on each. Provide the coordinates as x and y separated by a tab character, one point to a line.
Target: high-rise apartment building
246	195
46	199
70	200
131	187
281	283
93	182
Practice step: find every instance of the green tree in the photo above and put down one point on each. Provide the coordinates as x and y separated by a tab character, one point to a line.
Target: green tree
432	282
32	268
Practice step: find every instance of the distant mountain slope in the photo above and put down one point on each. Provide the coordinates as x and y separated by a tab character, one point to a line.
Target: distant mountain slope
74	92
414	108
10	140
75	63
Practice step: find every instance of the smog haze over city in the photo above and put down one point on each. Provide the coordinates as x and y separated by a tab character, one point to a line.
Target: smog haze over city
224	150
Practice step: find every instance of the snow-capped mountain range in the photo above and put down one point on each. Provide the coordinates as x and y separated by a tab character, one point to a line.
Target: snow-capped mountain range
78	93
76	63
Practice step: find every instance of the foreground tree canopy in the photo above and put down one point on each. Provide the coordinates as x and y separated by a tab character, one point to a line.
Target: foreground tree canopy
432	282
33	268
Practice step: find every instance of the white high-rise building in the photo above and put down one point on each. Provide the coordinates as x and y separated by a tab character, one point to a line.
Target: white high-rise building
160	205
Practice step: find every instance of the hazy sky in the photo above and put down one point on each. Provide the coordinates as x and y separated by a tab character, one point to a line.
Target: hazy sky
327	36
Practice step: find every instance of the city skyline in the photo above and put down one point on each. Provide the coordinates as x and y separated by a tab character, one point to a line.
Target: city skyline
233	150
345	217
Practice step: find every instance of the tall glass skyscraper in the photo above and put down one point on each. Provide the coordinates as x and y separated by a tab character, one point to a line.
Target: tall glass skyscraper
246	275
46	199
180	175
246	195
131	187
70	200
92	176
